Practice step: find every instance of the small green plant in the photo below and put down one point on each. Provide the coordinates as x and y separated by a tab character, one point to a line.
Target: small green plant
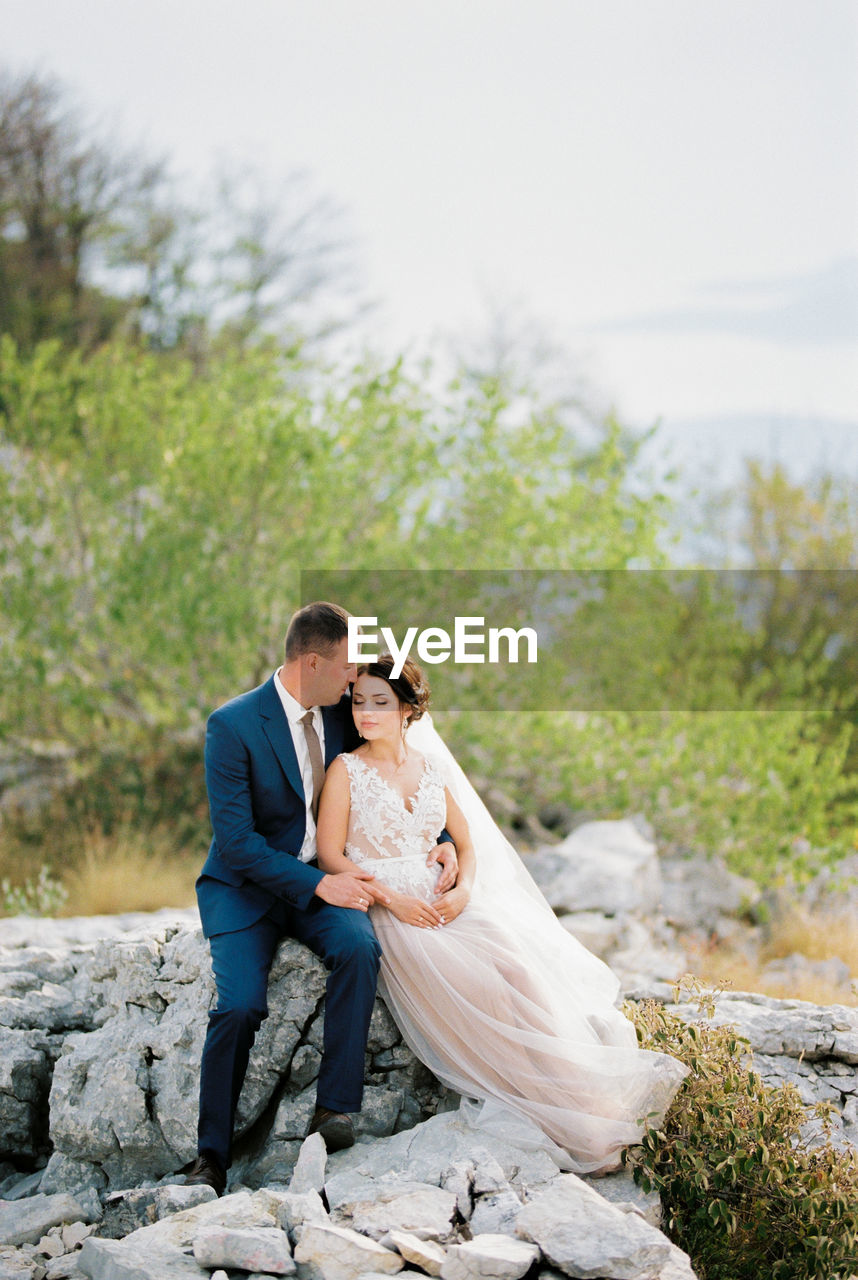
751	1184
44	897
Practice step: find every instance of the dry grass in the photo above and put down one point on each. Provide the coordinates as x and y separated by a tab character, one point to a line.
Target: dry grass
817	935
130	870
822	935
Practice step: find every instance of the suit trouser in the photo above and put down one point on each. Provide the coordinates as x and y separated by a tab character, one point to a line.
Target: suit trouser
344	940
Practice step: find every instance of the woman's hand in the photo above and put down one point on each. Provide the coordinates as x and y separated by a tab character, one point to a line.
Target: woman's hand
452	903
422	915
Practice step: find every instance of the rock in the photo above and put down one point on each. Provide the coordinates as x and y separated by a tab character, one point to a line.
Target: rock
623	1192
293	1116
64	1268
792	1028
459	1178
75	1233
51	1246
581	1233
599	933
127	1260
602	866
18	1188
339	1253
496	1214
380	1111
126	1211
25	1074
260	1249
60	934
63	1173
309	1174
425	1154
119	1071
426	1211
14	1266
489	1257
488	1175
790	971
239	1210
26	1221
698	892
425	1254
677	1267
293	1209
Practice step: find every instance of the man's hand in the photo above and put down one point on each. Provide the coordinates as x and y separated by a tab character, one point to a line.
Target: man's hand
445	854
354	889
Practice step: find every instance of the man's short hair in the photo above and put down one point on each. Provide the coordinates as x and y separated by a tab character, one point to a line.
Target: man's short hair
317	628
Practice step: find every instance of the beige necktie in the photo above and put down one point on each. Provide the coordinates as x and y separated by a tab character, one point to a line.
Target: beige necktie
316	762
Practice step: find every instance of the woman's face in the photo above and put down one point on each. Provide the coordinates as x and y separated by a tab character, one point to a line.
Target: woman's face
376	709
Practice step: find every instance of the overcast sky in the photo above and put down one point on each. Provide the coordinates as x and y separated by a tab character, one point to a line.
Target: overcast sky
668	187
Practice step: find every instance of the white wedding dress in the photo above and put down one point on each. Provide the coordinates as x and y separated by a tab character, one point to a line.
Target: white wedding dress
502	1004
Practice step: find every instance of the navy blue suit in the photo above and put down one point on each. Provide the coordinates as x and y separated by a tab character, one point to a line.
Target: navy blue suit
253	890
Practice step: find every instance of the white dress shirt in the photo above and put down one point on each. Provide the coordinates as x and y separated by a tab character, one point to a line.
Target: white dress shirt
294	714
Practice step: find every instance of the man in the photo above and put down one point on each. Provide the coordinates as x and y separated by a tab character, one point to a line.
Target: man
265	755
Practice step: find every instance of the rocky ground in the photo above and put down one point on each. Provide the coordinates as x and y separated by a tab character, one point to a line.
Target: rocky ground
101	1028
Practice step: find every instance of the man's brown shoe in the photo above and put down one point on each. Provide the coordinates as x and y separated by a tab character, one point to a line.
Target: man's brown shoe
206	1172
336	1129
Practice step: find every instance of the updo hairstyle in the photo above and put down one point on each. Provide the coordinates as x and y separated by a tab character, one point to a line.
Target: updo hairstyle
410	686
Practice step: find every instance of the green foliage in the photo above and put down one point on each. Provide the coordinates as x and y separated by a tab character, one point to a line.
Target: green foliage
745	1191
158	517
767	791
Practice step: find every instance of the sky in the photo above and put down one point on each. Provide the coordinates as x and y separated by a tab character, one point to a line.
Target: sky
668	190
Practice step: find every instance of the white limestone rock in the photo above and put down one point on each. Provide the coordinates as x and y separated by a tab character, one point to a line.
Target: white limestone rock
601	934
339	1253
790	1028
425	1154
425	1210
264	1249
496	1214
241	1209
583	1235
699	892
26	1221
489	1257
129	1260
623	1192
602	866
16	1266
127	1211
309	1172
459	1178
677	1267
292	1209
425	1254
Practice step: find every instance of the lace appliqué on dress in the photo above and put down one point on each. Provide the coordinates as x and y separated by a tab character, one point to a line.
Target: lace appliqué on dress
382	828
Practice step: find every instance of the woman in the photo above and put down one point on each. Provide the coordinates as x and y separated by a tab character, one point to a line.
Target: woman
488	989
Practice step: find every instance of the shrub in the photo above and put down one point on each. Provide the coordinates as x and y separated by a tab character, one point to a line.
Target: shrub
750	1182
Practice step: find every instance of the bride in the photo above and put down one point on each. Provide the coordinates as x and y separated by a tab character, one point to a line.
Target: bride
488	989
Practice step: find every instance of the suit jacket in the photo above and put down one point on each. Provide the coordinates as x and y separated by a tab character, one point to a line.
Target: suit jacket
258	810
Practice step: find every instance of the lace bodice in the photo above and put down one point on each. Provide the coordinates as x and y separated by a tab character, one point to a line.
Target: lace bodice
381	826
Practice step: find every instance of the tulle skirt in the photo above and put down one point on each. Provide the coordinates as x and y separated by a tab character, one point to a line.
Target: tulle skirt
503	1005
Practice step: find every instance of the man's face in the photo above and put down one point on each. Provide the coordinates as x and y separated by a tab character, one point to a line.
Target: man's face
330	676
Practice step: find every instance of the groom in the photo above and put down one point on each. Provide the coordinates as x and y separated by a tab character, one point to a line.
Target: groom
266	753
